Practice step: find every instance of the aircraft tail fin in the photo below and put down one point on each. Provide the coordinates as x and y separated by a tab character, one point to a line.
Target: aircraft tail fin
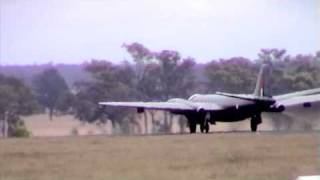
260	89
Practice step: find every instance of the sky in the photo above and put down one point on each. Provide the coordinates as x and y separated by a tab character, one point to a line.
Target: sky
318	23
73	31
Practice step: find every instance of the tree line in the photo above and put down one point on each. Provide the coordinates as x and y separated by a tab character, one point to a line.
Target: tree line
150	76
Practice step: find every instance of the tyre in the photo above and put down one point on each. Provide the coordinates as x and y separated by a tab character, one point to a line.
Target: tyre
254	126
255	121
207	128
192	126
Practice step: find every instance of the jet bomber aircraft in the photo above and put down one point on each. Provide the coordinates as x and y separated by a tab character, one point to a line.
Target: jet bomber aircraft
205	109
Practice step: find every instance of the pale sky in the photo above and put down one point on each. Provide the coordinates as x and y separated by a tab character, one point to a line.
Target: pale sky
71	31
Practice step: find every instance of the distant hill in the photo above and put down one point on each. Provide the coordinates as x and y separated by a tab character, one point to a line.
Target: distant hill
72	73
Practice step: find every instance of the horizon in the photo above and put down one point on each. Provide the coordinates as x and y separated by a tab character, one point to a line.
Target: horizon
84	62
72	32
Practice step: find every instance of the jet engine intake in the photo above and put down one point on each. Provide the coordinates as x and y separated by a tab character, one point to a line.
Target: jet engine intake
140	110
200	109
276	108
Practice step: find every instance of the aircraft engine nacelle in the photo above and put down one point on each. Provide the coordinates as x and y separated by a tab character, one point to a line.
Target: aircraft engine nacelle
200	109
276	108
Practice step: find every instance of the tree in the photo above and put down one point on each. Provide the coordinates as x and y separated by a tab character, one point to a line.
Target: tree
304	69
16	99
52	91
290	73
109	83
234	75
176	79
144	79
278	82
160	76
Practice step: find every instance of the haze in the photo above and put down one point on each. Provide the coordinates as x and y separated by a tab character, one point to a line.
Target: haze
72	31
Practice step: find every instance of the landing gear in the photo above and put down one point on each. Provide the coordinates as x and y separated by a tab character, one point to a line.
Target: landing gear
207	128
204	126
254	126
200	118
255	121
192	126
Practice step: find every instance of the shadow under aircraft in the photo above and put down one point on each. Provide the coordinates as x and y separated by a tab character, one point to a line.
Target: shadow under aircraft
205	109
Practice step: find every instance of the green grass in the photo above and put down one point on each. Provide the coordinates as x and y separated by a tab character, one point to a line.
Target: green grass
215	156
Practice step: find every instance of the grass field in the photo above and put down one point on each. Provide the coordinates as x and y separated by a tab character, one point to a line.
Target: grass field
214	156
40	125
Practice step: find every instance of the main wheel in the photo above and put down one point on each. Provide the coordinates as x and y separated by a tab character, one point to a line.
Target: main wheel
192	126
255	121
207	127
254	126
202	127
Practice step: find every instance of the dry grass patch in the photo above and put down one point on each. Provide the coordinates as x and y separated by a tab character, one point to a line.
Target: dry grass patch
214	156
40	125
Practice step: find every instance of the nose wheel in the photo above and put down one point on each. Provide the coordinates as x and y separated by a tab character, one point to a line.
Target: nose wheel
255	121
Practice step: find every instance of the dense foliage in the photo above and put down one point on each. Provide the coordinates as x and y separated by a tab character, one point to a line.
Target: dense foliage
158	76
16	99
52	91
151	76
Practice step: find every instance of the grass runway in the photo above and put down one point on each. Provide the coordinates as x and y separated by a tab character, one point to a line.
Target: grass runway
223	156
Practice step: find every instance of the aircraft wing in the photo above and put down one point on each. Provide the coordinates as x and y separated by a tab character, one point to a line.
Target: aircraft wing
169	106
299	93
305	101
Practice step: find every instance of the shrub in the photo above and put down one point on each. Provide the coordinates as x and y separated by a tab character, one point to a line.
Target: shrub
74	131
20	131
